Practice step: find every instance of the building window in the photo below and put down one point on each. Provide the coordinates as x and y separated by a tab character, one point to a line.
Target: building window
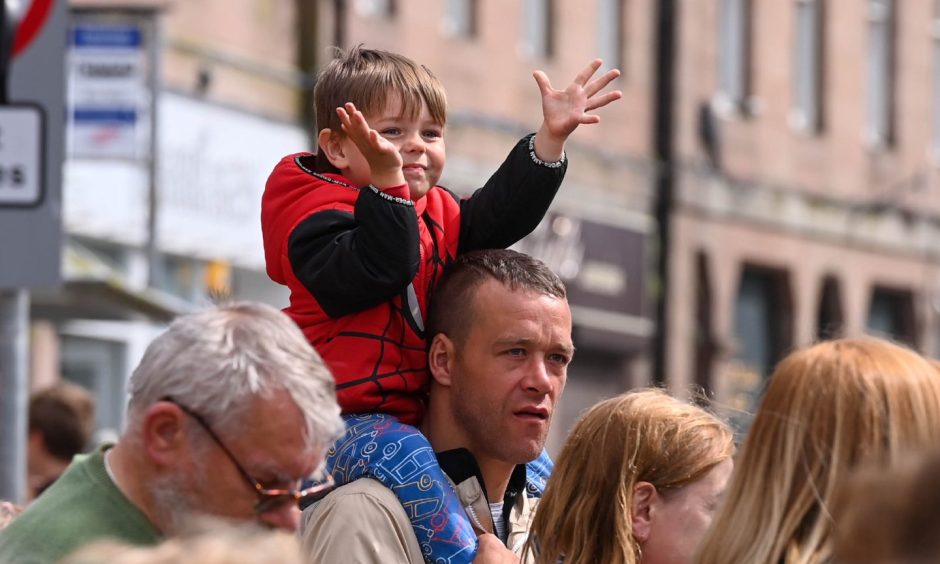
763	327
880	75
460	18
808	62
734	40
830	320
538	28
377	8
182	277
891	315
705	347
610	33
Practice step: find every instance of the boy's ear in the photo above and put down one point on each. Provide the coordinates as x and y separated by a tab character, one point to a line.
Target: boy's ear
330	143
441	359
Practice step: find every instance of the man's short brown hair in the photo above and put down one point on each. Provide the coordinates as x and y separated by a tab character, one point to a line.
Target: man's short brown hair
451	308
367	77
64	415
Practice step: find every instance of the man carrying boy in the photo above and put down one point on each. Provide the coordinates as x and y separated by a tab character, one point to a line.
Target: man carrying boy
360	232
498	357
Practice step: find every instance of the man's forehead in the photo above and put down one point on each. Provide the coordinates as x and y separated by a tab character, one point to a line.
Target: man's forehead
494	299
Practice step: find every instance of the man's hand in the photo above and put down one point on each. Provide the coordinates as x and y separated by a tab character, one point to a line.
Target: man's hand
383	157
564	110
492	551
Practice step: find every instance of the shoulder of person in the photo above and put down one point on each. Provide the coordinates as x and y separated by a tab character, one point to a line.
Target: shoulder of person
362	521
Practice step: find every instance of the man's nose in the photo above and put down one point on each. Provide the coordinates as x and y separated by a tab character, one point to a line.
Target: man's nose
286	517
538	378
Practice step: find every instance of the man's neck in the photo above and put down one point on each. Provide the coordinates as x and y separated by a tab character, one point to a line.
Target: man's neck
131	479
495	473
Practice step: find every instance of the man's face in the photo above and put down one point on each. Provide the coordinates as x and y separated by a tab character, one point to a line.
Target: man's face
509	371
269	445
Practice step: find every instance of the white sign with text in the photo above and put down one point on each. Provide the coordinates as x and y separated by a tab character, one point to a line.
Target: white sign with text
20	155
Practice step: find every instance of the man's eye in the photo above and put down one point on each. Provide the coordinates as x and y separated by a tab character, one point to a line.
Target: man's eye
518	352
559	359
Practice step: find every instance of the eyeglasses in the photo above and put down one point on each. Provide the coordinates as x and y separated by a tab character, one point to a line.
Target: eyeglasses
268	499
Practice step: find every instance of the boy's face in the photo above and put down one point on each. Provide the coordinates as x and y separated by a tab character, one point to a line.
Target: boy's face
420	140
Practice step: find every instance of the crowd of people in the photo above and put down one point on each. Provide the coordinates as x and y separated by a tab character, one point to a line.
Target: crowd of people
397	410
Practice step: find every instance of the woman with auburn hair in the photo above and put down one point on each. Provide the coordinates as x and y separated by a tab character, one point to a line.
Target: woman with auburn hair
637	481
828	409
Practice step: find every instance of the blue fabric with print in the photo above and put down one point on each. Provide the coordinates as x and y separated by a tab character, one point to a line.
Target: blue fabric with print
377	446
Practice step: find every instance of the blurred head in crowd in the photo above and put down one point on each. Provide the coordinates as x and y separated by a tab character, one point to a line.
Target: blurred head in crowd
638	480
61	421
891	515
210	543
225	406
828	409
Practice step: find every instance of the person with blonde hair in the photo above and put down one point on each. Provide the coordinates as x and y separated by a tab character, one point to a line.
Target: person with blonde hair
891	515
638	480
828	410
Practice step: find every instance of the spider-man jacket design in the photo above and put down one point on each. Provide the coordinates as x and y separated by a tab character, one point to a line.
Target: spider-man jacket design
361	263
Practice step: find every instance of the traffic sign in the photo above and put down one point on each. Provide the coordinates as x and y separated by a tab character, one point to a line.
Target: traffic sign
31	24
20	155
32	149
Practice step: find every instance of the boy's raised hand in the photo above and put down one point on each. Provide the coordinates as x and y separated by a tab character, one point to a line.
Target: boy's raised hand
564	110
383	157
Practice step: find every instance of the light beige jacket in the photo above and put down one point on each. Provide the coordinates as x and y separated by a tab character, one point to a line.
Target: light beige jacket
363	522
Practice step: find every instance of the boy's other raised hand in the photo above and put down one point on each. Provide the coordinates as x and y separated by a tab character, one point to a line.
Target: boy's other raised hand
564	110
383	157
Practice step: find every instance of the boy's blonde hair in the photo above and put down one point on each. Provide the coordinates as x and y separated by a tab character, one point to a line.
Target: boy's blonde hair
644	435
367	77
828	410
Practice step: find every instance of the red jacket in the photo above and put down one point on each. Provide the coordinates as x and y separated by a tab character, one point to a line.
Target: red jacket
360	265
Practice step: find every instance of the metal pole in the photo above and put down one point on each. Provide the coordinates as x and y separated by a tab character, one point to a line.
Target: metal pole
153	200
664	95
14	391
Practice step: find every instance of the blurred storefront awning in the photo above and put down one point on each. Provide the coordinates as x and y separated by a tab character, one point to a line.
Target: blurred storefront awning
94	289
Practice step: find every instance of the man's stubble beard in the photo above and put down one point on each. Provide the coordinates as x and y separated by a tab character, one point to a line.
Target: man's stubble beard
484	431
176	504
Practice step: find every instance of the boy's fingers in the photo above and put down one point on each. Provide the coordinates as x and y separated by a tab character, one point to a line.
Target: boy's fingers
601	101
588	72
588	119
542	80
600	82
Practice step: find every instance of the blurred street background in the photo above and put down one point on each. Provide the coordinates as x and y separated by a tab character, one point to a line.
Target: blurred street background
770	178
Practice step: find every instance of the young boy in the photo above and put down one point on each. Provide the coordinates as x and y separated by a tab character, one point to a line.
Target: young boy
360	231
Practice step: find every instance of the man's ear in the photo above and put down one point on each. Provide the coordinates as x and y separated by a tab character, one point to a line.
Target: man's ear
163	432
644	501
441	359
331	145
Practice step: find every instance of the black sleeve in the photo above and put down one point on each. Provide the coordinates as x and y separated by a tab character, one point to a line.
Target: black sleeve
351	262
512	202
